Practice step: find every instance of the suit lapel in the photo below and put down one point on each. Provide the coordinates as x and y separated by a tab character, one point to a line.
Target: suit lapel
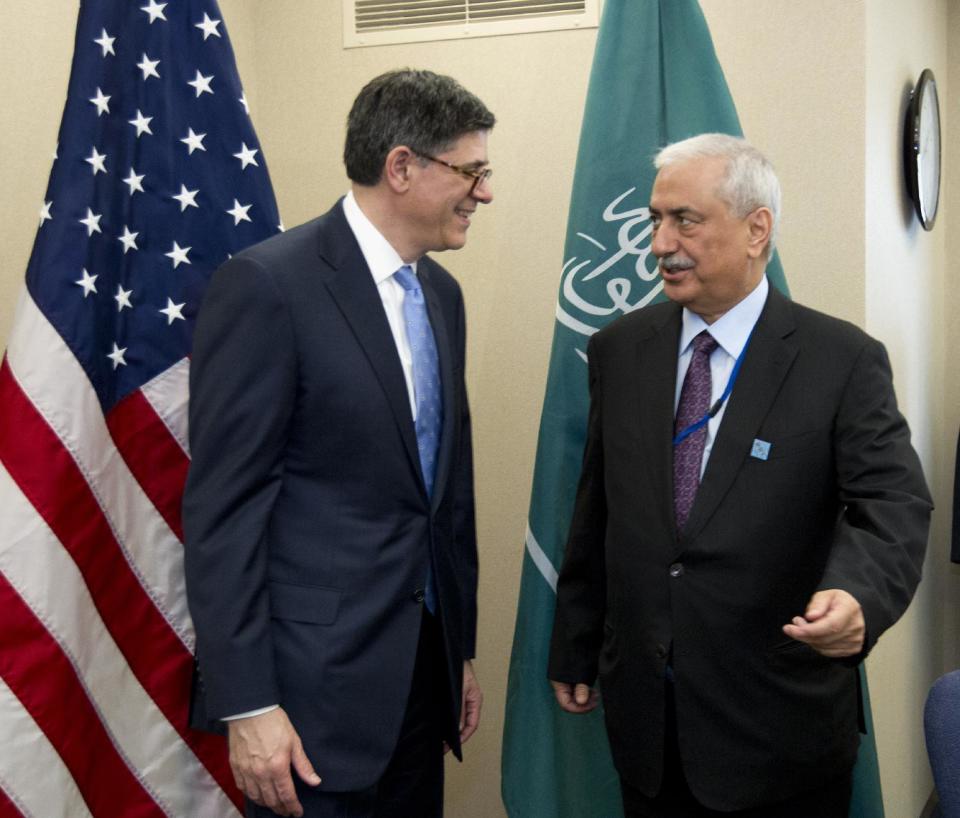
768	359
655	383
450	410
351	285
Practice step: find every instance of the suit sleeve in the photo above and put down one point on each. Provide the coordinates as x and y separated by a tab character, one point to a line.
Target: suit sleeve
581	586
242	386
465	528
881	535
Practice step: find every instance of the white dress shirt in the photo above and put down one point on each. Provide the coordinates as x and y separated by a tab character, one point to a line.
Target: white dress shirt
383	262
731	331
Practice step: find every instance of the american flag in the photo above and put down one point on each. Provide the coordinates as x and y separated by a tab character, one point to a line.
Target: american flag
157	179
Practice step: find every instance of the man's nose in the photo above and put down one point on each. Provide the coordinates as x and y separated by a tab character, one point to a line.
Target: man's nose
664	241
483	192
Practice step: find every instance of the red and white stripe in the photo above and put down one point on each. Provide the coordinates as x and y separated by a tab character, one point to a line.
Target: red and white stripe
96	641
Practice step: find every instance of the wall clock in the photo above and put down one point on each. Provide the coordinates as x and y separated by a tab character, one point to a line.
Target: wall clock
921	149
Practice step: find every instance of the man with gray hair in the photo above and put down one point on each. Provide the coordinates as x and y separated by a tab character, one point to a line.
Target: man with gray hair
331	560
750	518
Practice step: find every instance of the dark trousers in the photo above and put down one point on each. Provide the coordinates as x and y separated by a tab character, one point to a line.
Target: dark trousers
830	800
412	784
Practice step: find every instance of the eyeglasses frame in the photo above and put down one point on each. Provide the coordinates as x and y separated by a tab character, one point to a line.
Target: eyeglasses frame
479	177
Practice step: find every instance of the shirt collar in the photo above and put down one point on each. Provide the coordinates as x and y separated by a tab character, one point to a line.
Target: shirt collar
379	254
732	329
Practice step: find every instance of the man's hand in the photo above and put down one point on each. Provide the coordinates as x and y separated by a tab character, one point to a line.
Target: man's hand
262	748
470	707
832	624
579	698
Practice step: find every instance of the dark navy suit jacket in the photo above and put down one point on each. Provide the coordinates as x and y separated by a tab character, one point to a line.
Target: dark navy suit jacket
308	525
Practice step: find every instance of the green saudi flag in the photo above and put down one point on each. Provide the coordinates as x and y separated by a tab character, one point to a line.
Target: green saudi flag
655	80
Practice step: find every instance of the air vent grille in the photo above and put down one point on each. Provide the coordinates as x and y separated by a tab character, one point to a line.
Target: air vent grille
380	22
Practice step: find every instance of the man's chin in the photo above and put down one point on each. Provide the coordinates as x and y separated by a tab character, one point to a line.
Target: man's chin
455	241
676	291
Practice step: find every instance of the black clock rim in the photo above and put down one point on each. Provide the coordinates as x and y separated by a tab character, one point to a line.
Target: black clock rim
911	145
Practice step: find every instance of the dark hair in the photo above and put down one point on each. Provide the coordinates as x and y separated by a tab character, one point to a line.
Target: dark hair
427	112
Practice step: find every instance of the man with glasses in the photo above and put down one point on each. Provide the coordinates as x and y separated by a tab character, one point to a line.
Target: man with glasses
329	514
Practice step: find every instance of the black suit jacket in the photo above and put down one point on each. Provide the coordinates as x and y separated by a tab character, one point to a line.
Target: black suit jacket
840	502
308	525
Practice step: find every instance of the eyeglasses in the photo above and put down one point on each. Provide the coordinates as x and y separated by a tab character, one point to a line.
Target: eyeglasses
479	177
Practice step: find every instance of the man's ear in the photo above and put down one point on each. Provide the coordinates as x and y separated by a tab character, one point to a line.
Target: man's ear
396	168
759	227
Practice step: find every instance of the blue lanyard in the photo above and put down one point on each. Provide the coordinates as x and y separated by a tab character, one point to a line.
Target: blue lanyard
683	434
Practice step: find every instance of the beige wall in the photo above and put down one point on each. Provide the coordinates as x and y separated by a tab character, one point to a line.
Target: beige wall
812	90
34	84
908	305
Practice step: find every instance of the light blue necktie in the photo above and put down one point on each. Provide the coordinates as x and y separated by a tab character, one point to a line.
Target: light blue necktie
426	389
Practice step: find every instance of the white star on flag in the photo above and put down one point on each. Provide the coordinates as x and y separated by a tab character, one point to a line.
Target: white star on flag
101	102
243	101
128	240
117	356
193	141
92	221
201	83
123	298
208	26
148	67
96	161
239	212
178	255
246	156
105	42
88	282
134	182
187	198
45	212
141	123
155	10
174	312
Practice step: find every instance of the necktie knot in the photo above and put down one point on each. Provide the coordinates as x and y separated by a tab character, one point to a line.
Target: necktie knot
407	278
704	344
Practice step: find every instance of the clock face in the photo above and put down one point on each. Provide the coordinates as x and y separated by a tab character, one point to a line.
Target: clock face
921	149
928	154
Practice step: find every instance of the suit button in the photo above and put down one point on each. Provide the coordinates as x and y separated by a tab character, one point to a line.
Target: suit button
418	595
676	570
662	651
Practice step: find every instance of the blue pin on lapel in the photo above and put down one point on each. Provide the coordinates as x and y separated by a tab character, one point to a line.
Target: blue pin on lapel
760	450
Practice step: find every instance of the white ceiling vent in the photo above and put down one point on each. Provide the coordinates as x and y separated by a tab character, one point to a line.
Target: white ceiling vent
383	22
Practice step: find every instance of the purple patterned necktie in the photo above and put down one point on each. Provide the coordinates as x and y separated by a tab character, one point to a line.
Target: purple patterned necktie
694	404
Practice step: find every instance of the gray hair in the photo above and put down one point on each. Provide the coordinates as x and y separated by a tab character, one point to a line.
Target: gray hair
750	180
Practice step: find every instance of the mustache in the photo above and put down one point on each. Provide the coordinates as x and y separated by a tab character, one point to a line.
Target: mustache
672	263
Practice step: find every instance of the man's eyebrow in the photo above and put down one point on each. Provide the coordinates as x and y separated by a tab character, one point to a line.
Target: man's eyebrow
678	212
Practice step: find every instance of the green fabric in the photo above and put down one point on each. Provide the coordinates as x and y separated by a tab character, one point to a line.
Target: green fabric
655	80
867	801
